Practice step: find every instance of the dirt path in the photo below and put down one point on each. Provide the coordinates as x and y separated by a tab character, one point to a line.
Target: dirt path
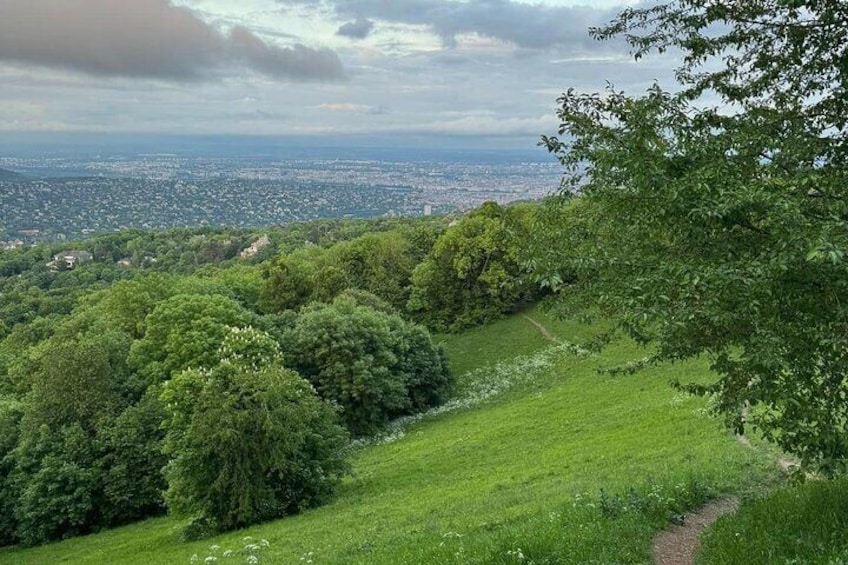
679	545
544	331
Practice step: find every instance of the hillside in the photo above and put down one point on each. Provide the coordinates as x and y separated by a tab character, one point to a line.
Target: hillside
6	174
542	460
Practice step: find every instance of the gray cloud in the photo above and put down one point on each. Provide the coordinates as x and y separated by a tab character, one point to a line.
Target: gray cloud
357	29
144	38
533	26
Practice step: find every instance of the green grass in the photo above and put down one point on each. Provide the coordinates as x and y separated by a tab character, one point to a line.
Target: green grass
517	475
507	338
805	523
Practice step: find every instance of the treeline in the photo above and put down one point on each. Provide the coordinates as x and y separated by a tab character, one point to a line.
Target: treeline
226	389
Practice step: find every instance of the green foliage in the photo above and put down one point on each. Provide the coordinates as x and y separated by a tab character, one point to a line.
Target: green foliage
183	331
249	440
289	284
474	272
82	455
378	263
58	499
241	282
84	354
126	304
521	471
132	462
723	232
11	412
78	380
374	365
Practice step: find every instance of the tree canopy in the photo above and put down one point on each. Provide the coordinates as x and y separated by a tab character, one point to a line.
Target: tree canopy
249	440
719	210
372	364
474	272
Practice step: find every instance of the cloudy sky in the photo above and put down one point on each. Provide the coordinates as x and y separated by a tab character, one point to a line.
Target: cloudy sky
459	68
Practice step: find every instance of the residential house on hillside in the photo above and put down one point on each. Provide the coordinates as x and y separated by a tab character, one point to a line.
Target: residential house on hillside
70	259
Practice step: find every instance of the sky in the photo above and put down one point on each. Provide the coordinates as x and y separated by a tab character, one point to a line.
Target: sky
336	69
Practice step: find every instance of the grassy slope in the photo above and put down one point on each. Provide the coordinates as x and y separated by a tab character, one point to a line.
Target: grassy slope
522	472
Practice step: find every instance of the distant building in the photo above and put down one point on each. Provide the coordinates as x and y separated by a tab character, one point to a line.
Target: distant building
428	210
11	244
70	259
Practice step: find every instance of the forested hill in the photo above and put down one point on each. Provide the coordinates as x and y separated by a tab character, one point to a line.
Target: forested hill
114	350
6	174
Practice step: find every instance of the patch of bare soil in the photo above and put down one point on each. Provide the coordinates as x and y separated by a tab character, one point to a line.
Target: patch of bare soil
679	545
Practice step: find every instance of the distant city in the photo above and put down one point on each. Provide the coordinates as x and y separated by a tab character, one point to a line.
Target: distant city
74	197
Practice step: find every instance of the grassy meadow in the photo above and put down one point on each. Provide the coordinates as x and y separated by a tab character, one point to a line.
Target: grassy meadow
542	460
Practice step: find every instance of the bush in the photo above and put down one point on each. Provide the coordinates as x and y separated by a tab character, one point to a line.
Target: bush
249	440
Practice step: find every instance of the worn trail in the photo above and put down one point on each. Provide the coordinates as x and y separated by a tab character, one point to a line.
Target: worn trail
679	545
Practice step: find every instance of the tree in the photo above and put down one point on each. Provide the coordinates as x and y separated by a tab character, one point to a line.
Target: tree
60	463
380	263
374	365
723	231
248	439
183	331
290	283
11	412
474	273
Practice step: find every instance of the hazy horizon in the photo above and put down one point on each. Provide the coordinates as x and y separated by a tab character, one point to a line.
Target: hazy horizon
438	73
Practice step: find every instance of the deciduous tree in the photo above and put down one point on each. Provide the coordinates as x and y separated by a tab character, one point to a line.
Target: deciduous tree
720	210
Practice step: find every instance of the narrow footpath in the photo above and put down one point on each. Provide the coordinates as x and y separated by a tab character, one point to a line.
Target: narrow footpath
679	545
542	329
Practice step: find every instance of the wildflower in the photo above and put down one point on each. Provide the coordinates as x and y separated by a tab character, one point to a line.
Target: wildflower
517	553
